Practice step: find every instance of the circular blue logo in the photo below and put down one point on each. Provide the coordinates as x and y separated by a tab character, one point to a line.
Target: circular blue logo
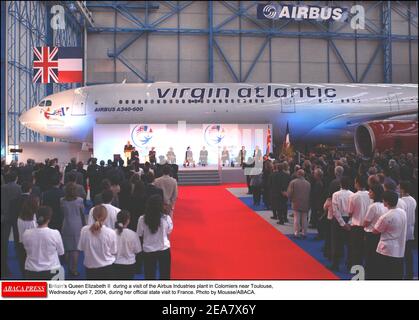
214	134
141	135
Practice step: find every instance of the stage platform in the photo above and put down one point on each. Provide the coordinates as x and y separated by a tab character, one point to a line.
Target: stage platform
209	168
210	175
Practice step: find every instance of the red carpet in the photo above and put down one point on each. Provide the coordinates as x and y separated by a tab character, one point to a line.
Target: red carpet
217	237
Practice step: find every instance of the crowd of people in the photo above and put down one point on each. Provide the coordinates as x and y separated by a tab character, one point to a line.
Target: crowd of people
364	207
119	216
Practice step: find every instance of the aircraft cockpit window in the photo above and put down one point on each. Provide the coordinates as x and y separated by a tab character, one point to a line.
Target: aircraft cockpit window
48	103
42	103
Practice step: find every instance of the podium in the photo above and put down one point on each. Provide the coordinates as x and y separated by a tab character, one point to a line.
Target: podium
128	152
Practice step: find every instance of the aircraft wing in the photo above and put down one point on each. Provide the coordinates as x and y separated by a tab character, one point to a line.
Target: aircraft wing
349	120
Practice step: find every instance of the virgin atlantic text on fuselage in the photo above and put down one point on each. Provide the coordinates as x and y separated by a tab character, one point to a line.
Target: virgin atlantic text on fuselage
246	92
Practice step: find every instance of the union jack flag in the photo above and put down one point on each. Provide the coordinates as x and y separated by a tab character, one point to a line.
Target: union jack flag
45	64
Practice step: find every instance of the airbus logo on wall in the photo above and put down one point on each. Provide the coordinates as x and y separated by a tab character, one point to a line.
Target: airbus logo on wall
301	12
269	11
141	135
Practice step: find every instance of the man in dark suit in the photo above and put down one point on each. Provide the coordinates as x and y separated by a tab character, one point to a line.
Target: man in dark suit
51	198
70	166
79	179
317	197
242	156
134	155
152	156
94	175
10	193
279	185
26	189
80	169
50	171
151	189
25	172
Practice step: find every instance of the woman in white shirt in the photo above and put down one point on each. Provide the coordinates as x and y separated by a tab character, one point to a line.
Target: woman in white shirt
26	221
153	229
392	227
405	190
374	212
99	245
340	223
43	247
129	246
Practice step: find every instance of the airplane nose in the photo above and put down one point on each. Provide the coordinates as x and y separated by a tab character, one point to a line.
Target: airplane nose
23	119
26	118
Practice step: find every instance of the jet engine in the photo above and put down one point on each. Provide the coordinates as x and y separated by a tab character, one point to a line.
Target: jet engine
399	135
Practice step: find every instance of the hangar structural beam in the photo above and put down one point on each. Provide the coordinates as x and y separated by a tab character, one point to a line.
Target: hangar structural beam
146	18
3	80
27	24
387	43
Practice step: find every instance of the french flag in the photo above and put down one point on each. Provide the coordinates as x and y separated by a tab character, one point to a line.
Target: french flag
70	64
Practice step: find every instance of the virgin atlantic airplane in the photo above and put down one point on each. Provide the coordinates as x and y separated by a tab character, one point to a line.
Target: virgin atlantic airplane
373	116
